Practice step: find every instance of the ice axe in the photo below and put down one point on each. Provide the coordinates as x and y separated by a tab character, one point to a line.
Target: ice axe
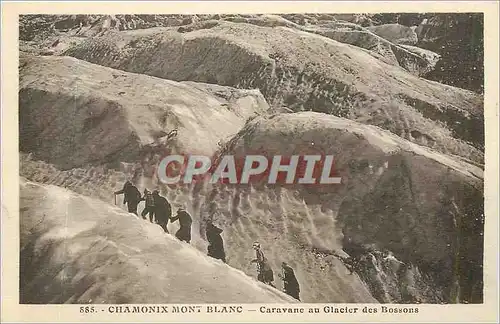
115	199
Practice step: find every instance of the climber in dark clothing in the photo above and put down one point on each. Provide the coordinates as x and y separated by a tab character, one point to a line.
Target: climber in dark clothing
264	272
132	196
150	205
163	210
215	242
290	283
185	221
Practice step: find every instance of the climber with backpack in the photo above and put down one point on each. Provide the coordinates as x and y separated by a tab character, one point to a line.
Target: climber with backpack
163	210
132	196
264	271
150	205
215	242
185	221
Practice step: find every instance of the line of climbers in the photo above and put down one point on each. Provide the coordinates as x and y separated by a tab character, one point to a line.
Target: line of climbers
157	208
265	273
159	211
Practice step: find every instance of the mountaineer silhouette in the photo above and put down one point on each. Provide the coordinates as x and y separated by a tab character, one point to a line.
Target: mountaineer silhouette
215	242
185	221
132	196
264	271
150	205
290	283
163	210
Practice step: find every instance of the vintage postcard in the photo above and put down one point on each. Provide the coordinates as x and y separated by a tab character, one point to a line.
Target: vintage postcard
250	162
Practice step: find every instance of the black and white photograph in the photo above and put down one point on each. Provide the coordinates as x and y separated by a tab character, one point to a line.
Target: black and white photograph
277	158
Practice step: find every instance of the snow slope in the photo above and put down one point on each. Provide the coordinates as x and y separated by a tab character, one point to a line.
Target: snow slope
409	185
73	112
434	203
75	249
424	206
303	71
